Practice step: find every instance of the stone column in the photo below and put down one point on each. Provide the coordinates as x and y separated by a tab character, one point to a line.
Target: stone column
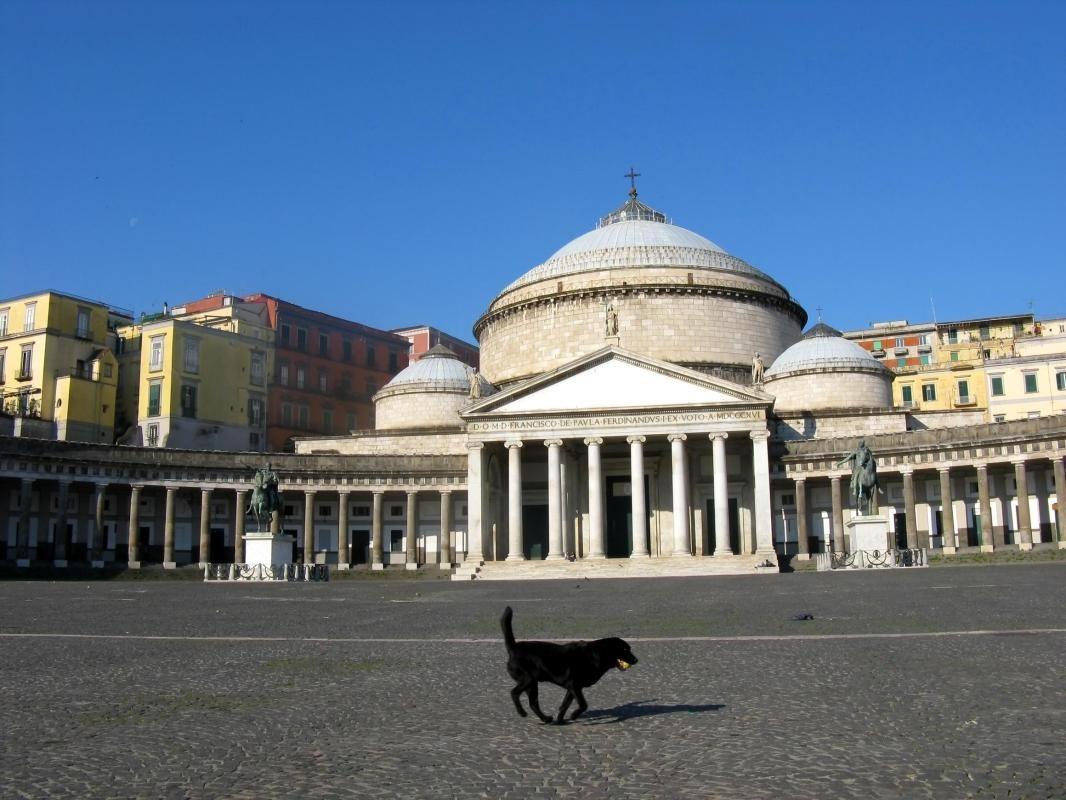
97	541
514	500
1025	527
309	526
947	512
555	501
720	477
343	559
595	477
133	540
987	540
376	549
239	525
1060	501
764	527
59	538
802	548
411	556
205	527
639	513
168	530
22	534
445	530
837	524
908	507
680	493
474	506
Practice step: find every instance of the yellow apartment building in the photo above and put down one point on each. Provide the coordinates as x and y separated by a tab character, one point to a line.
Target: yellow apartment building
196	387
58	373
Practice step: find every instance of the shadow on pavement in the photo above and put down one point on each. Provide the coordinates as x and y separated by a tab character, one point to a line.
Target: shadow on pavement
643	708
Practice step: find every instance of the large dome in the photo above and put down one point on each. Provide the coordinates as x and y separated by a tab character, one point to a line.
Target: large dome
675	294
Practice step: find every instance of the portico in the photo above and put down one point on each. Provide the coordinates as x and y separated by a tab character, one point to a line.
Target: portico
617	456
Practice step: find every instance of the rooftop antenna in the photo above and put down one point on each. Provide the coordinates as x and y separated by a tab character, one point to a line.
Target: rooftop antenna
932	306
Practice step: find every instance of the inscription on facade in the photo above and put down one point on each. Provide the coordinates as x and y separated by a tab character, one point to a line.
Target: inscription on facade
613	421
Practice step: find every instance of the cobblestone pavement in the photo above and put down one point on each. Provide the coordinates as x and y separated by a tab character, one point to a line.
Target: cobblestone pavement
382	689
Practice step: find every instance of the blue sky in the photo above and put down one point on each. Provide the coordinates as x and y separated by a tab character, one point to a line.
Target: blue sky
396	163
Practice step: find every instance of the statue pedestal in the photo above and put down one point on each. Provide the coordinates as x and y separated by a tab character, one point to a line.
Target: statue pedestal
268	549
868	533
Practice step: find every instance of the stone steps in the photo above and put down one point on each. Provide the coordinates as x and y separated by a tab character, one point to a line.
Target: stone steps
612	568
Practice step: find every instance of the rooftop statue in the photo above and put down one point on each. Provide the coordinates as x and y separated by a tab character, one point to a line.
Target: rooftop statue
757	369
864	486
475	384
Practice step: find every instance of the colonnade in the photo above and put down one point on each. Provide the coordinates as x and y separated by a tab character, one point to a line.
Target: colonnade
990	538
681	539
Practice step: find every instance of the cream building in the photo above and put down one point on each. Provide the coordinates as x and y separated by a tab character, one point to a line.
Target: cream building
647	405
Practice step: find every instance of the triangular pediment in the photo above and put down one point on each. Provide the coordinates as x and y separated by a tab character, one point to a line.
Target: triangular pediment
615	379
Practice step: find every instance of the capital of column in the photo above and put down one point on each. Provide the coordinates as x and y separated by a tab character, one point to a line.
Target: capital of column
512	443
553	443
344	492
676	437
800	480
1019	460
718	435
412	492
136	487
377	491
982	468
240	492
593	440
636	439
446	492
308	493
906	471
757	436
205	491
943	470
475	446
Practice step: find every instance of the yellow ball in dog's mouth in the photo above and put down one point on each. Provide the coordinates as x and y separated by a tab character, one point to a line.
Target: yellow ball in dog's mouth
623	664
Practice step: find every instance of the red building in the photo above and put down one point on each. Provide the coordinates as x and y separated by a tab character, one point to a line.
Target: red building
423	337
325	369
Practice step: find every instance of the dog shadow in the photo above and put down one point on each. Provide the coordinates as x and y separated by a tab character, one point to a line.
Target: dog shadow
645	708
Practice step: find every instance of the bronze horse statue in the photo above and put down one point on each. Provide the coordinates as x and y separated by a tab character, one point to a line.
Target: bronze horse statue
864	485
265	500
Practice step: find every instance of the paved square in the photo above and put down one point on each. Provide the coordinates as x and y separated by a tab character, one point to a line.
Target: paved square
379	688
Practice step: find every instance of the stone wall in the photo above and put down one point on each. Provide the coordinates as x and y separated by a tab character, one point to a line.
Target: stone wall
817	389
694	325
418	409
812	425
439	441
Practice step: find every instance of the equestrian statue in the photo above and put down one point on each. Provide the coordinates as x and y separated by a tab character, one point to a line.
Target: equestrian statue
266	500
864	485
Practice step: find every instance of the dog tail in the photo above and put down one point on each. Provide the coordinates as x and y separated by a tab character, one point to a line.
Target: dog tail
505	623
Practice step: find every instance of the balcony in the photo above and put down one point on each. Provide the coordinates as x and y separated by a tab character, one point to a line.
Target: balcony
965	400
910	405
878	353
925	348
901	351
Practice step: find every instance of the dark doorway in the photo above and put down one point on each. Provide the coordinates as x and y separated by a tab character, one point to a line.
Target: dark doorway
619	522
534	532
734	527
220	554
360	547
901	531
973	535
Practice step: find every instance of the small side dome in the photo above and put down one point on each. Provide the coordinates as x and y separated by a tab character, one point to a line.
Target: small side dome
824	370
429	392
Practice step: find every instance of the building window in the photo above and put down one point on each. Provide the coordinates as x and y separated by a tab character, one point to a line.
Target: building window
323	344
300	377
394	362
360	511
984	333
155	353
3	364
30	319
908	395
371	356
345	388
188	401
997	386
901	362
928	392
395	511
26	362
286	414
964	391
927	359
155	391
923	339
1019	329
371	388
301	339
283	374
878	345
255	411
1060	379
899	341
327	421
323	381
256	370
1033	414
349	421
954	355
999	418
152	437
286	334
192	355
305	417
346	346
3	321
953	336
253	440
1030	383
82	329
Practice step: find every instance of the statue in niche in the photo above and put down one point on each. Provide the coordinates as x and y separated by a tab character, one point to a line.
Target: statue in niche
757	369
864	485
612	321
475	384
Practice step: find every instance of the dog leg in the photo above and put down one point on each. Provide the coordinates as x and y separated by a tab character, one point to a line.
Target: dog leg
560	718
534	703
582	706
516	693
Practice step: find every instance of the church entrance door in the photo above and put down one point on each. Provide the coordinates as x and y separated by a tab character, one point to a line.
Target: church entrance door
619	513
535	532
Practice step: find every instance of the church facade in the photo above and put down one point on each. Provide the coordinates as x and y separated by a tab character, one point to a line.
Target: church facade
647	404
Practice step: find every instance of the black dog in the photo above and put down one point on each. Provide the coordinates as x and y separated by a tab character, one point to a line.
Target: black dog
573	666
